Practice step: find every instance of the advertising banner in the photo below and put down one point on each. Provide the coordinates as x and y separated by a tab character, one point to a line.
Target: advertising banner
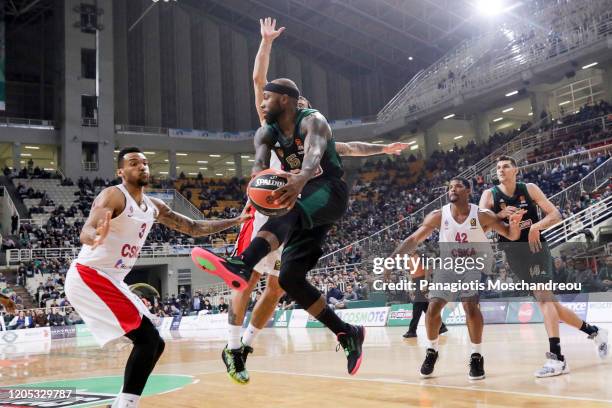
400	315
63	332
524	312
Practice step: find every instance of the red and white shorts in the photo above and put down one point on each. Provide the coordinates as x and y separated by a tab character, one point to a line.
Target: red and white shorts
271	263
106	305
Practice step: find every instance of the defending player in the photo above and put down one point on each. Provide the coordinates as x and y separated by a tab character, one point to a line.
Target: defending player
117	227
462	229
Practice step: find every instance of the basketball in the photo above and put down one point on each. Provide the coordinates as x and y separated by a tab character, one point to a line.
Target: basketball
260	192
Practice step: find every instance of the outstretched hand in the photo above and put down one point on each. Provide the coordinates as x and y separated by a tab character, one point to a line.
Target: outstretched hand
268	29
395	148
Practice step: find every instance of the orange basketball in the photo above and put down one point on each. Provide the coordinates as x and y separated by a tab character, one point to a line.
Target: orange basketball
260	192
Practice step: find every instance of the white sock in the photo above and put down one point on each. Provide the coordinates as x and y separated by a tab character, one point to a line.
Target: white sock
249	335
125	400
233	338
476	348
433	344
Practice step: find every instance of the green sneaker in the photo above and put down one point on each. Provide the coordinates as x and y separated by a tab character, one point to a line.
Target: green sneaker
235	364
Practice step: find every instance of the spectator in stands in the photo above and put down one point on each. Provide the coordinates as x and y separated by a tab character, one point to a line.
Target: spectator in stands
287	303
503	277
222	306
197	302
21	321
350	295
55	318
207	306
14	224
334	296
605	273
183	299
72	317
2	278
253	301
559	272
40	320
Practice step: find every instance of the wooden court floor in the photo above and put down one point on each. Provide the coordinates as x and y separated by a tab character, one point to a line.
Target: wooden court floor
300	368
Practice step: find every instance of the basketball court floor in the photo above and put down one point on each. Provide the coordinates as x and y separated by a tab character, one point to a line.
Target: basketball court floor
300	368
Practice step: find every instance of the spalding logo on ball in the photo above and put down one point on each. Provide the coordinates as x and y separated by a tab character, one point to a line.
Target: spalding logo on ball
260	192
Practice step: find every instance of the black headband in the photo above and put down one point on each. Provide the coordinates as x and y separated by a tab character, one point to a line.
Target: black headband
282	89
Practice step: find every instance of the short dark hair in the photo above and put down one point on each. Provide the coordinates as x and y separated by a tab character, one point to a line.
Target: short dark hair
463	180
125	151
506	158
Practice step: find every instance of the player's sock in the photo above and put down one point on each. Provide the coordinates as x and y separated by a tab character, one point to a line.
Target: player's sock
476	348
233	339
255	252
332	321
125	400
249	335
555	347
433	344
588	329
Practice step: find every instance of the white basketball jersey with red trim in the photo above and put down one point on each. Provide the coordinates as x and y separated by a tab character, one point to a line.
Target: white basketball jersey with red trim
469	231
128	233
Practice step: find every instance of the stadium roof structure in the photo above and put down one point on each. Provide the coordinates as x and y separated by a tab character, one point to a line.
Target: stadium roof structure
394	37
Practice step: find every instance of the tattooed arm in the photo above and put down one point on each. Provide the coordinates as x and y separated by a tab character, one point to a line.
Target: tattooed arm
194	228
369	149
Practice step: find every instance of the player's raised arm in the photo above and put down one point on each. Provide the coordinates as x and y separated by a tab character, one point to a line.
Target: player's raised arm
263	148
262	60
409	245
108	204
489	221
369	149
194	228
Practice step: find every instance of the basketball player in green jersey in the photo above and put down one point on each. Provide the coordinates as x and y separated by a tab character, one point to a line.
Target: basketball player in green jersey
530	259
316	197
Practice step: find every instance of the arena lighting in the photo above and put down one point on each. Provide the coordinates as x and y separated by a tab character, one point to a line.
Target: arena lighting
26	154
508	110
410	58
163	172
252	160
181	154
378	141
165	160
452	115
414	147
458	137
564	103
497	119
229	162
591	65
490	7
203	168
231	169
150	153
245	157
32	147
530	114
512	93
116	151
214	155
193	174
218	174
412	142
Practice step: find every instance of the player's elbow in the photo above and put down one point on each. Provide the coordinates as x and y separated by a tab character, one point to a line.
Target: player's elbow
258	81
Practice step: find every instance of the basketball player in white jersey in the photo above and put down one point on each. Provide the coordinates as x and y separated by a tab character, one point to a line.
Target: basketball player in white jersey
234	355
462	228
117	227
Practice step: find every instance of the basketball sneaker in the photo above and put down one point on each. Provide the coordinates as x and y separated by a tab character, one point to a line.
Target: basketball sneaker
234	363
352	344
232	270
476	367
246	350
600	337
427	369
552	367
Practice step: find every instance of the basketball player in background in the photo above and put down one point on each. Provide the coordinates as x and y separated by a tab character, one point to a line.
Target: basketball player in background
530	259
117	227
420	301
462	228
238	348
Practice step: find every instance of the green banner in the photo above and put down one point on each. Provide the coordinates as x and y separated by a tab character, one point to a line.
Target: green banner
400	315
312	322
282	318
82	330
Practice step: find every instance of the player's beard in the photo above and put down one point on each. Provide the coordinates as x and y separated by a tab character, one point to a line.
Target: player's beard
142	182
273	115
